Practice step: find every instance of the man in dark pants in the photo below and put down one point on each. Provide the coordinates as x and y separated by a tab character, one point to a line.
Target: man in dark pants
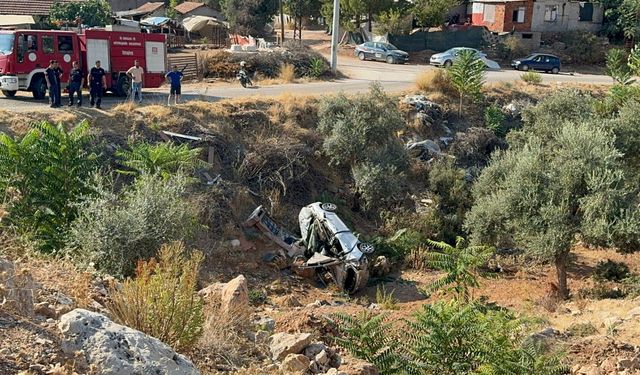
97	83
76	81
52	76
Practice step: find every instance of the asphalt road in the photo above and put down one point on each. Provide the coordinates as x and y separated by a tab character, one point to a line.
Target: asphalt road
361	74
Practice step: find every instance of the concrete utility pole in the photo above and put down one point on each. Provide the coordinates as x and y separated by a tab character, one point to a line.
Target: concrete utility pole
335	30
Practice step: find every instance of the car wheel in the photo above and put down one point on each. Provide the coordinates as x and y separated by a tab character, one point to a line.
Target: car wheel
39	88
555	70
9	93
447	64
329	207
361	56
524	67
366	248
390	60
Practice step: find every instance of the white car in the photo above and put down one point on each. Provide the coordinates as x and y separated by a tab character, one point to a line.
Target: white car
448	57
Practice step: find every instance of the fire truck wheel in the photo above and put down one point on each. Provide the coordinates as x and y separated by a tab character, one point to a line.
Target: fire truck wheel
123	86
9	94
39	88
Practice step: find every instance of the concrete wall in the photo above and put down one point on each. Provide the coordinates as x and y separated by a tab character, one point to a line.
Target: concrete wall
567	17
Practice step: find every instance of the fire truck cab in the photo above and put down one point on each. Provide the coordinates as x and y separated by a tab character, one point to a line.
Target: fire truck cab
25	54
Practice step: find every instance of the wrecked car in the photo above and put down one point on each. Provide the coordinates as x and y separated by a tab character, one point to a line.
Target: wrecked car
326	244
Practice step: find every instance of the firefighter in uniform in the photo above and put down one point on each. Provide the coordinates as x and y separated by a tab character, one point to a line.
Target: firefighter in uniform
97	83
75	84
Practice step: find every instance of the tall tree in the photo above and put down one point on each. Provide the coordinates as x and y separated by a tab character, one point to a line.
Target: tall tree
553	189
90	12
433	13
249	17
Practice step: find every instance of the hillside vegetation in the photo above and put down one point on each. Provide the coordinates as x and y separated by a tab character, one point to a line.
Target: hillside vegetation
496	209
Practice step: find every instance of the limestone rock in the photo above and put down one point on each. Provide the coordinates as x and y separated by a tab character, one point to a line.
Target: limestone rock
116	349
283	344
314	349
233	296
295	363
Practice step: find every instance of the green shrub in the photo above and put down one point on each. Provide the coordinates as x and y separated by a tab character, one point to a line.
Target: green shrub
473	148
581	329
611	271
494	120
452	200
400	245
385	299
377	183
162	300
603	290
533	78
631	286
317	67
583	48
114	231
45	174
511	47
360	134
162	158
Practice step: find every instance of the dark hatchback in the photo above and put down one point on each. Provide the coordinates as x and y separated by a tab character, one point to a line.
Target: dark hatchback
382	52
538	61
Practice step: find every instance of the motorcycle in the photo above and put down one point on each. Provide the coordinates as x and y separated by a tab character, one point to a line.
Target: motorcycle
244	79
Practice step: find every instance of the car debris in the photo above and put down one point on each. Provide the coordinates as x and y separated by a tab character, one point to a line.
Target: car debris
424	150
326	244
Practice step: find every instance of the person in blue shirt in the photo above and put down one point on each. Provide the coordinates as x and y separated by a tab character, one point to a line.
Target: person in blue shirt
175	78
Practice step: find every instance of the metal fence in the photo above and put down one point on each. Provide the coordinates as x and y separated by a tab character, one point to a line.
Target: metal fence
439	40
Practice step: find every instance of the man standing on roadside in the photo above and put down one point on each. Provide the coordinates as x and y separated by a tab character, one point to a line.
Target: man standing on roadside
76	80
175	78
97	83
52	76
136	74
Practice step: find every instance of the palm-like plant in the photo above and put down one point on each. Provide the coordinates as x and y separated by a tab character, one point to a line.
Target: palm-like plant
46	170
467	75
161	158
369	336
617	66
461	264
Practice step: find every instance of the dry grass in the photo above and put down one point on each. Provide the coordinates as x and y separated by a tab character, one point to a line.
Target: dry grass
126	107
224	338
287	73
435	81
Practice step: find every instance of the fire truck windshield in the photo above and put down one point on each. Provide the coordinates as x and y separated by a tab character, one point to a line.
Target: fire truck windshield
6	43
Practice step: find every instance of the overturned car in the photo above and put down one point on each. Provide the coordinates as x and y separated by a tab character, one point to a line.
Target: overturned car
326	244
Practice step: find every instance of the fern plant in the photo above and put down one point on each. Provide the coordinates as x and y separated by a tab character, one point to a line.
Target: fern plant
368	336
162	158
467	75
47	170
461	264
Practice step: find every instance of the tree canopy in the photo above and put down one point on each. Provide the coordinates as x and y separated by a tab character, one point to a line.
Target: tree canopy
545	194
249	17
90	12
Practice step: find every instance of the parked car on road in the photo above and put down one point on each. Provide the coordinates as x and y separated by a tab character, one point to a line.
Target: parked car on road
538	61
448	57
381	51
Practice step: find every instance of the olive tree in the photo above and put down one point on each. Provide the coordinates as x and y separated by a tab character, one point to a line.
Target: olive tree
546	193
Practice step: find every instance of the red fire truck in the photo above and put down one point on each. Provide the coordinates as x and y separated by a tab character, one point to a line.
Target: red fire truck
25	54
